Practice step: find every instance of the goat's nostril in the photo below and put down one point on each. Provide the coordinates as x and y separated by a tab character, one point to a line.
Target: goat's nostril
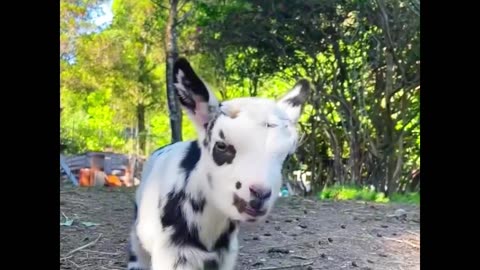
260	193
267	195
256	204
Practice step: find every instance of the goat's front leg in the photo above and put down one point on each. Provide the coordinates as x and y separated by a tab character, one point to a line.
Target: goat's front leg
162	258
169	259
139	259
230	257
229	261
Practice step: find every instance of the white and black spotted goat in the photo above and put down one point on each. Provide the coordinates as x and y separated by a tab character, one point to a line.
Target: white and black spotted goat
193	195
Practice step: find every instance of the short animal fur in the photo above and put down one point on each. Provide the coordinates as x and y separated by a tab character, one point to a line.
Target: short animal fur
193	195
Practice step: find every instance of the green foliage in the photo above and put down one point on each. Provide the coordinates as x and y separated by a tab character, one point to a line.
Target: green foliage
90	125
366	194
75	17
410	197
352	193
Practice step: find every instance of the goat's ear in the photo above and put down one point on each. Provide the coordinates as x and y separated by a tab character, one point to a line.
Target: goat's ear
196	99
292	103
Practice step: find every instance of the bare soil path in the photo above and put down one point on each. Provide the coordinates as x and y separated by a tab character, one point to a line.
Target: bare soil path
299	234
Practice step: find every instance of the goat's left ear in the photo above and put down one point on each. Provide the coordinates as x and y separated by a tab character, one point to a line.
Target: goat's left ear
292	103
194	96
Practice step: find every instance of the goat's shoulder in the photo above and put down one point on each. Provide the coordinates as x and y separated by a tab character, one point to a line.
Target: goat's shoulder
169	163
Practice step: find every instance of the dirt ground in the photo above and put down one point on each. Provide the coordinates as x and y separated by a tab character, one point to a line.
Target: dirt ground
299	234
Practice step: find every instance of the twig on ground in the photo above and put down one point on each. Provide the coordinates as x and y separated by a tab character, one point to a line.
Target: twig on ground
298	257
414	233
282	246
66	258
101	252
285	267
352	209
402	241
103	267
72	262
85	246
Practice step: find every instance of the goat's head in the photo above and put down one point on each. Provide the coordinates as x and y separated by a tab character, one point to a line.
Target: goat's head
244	142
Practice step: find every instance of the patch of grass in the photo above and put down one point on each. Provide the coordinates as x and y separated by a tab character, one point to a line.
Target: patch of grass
413	198
366	194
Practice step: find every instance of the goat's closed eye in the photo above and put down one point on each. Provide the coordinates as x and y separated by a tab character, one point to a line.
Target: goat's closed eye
270	125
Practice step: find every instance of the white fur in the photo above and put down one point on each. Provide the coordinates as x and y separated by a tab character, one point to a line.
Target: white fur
263	133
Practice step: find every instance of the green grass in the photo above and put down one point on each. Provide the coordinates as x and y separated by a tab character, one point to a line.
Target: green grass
413	198
366	194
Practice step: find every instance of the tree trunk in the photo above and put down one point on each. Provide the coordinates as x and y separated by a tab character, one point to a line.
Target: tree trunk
172	54
337	158
142	136
355	157
314	162
415	183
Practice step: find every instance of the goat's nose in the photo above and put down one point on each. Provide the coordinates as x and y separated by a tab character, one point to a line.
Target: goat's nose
256	204
260	193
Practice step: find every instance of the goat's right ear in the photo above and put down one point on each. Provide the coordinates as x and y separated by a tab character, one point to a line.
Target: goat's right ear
196	99
294	100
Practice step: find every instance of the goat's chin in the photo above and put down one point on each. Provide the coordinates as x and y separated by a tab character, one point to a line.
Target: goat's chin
249	219
245	218
253	220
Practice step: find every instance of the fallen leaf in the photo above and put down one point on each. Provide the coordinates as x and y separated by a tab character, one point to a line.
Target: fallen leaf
68	222
89	224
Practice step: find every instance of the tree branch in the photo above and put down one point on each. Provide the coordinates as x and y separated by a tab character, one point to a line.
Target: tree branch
181	5
184	17
158	4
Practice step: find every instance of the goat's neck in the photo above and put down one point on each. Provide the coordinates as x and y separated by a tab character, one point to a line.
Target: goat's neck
211	223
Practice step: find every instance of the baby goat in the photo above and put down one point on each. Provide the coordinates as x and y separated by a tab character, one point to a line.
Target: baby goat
194	194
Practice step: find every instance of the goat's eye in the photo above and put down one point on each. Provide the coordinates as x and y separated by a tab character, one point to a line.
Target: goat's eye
270	125
221	146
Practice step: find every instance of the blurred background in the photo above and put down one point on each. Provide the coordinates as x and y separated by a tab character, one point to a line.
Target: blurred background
361	127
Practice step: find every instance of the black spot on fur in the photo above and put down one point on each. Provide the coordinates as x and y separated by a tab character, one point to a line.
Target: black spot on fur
132	258
192	83
174	217
191	159
238	185
222	136
181	260
302	96
239	203
226	156
211	124
198	205
223	241
210	265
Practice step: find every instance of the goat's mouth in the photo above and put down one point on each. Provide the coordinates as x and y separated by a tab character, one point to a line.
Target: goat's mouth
254	213
243	207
